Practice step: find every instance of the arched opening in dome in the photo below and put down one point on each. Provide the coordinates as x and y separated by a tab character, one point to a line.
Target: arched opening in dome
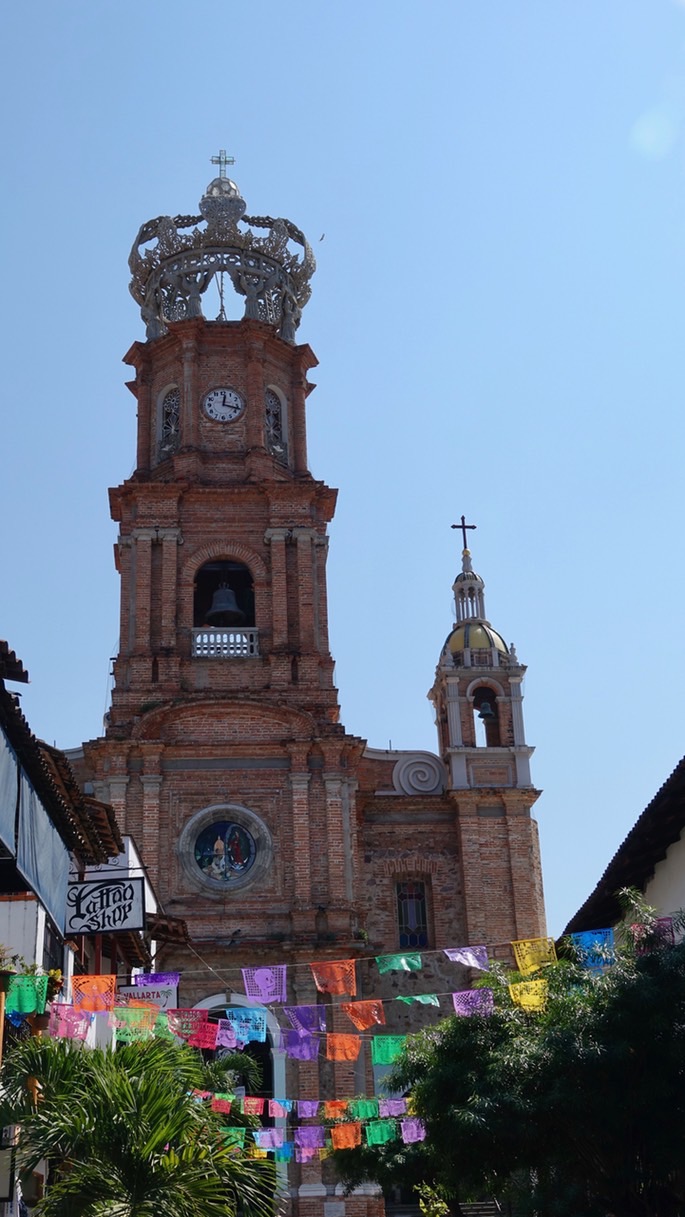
223	595
221	301
486	718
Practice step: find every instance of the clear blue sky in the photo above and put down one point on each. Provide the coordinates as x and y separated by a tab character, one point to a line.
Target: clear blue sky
498	314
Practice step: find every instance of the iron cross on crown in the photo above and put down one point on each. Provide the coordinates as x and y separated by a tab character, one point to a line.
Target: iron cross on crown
222	161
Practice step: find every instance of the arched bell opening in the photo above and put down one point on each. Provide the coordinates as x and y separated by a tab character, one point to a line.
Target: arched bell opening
220	301
486	718
223	595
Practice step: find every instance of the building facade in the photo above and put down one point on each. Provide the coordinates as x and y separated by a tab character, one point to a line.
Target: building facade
277	835
53	835
651	860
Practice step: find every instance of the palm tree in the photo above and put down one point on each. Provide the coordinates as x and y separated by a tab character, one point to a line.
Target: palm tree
124	1136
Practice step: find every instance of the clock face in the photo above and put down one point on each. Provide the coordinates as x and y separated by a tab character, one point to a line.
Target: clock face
223	405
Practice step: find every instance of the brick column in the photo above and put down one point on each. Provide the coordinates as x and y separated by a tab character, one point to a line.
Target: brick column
123	562
146	424
307	1072
320	597
349	790
299	783
305	588
169	538
117	797
189	394
335	845
524	864
279	587
142	579
468	830
151	783
453	712
254	415
515	683
299	424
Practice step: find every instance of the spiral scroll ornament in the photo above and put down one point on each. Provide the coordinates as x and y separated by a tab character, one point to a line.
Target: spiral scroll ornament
419	773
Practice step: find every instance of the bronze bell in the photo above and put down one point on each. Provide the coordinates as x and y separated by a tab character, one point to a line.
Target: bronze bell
224	610
486	712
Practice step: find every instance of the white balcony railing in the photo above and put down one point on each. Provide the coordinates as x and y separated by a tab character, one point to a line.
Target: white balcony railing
225	643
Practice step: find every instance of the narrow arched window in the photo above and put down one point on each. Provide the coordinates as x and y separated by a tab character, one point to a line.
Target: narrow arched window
170	421
412	913
275	426
486	718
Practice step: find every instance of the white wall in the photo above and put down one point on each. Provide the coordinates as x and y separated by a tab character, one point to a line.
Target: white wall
22	928
666	889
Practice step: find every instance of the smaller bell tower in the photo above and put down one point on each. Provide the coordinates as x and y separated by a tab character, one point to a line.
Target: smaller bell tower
478	700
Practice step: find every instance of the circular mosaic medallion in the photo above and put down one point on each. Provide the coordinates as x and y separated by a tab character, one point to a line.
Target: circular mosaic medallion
224	850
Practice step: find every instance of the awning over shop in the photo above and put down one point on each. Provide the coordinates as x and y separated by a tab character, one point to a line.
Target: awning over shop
9	768
42	856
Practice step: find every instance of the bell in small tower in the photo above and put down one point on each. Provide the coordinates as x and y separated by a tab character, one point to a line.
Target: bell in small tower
486	712
224	609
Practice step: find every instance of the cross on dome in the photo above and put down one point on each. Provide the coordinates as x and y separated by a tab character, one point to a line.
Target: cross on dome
222	160
463	526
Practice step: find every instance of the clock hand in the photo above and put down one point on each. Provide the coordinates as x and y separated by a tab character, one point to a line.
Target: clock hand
223	399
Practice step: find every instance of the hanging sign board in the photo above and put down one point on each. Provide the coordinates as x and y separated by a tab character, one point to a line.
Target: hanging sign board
164	996
105	906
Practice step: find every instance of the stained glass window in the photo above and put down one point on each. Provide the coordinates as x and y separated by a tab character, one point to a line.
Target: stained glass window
224	850
412	917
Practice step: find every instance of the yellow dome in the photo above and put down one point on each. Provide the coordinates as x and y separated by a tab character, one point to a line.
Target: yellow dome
477	636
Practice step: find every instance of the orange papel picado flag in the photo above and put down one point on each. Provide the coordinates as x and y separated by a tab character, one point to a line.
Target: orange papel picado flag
337	977
364	1013
346	1136
94	993
342	1047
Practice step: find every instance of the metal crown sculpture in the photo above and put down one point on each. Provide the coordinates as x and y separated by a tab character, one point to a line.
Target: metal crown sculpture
169	277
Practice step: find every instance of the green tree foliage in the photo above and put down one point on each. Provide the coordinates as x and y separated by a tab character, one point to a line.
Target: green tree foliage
124	1136
577	1110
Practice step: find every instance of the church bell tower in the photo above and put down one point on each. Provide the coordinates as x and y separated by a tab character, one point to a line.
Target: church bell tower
478	702
224	674
277	836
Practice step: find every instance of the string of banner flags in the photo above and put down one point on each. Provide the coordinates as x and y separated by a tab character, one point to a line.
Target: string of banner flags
134	1016
268	985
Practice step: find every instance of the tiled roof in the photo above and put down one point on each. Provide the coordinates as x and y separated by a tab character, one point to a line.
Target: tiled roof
11	668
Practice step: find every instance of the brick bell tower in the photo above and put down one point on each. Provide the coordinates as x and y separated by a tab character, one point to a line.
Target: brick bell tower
478	701
276	835
224	674
223	754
